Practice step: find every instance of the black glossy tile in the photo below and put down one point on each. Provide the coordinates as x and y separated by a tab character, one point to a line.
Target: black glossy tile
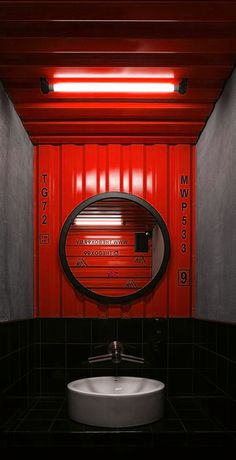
171	442
167	425
168	431
67	426
34	425
208	364
100	372
48	404
63	412
180	356
53	330
130	330
4	373
52	356
181	330
155	330
34	355
24	333
222	372
3	339
25	439
20	388
23	357
169	411
124	365
40	415
13	336
104	330
52	381
77	355
204	387
95	442
232	341
36	330
31	323
207	334
156	374
212	440
222	410
222	339
76	374
78	330
180	381
182	403
155	354
14	368
11	411
136	430
35	381
232	380
191	414
201	425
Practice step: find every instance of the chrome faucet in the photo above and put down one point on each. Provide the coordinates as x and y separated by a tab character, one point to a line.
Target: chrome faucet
116	355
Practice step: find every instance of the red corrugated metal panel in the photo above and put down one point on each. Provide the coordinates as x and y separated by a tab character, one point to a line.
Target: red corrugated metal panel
116	41
162	175
180	189
36	228
193	235
72	185
49	224
157	195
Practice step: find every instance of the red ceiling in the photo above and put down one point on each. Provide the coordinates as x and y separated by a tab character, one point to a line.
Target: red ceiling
177	39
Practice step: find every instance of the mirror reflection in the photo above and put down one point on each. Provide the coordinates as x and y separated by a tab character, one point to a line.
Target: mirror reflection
114	247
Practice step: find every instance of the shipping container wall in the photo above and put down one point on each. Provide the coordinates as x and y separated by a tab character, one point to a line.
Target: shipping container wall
67	175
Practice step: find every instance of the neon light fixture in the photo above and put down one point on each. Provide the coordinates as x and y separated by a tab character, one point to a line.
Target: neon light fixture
100	222
113	87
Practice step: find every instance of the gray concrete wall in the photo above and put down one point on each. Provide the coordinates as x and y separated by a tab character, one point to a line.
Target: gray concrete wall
216	211
16	215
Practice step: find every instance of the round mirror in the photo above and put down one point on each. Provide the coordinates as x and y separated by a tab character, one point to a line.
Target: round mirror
114	247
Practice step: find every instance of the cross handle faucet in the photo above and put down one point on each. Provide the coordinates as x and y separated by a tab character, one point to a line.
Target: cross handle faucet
116	355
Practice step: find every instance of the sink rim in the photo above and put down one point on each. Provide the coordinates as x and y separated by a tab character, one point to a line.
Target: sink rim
70	386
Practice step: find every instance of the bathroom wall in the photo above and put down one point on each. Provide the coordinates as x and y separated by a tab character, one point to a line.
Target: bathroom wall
16	215
16	367
215	359
216	211
63	345
66	175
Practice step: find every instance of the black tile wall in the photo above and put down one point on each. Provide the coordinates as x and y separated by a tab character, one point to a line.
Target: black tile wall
16	365
215	358
16	345
67	343
192	357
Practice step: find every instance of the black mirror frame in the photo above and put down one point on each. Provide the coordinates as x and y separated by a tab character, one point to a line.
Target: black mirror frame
110	299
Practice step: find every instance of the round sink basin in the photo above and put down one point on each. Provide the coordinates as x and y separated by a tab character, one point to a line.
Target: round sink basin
115	401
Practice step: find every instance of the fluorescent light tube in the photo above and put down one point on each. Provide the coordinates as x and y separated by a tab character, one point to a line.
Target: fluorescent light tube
98	222
113	87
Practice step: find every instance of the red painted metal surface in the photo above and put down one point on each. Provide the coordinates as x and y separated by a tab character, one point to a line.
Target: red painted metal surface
180	227
119	39
68	174
102	267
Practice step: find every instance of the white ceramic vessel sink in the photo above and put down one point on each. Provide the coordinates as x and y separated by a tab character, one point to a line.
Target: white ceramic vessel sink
115	401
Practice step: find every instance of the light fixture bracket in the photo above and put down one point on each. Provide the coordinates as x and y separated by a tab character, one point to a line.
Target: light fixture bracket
183	86
45	86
